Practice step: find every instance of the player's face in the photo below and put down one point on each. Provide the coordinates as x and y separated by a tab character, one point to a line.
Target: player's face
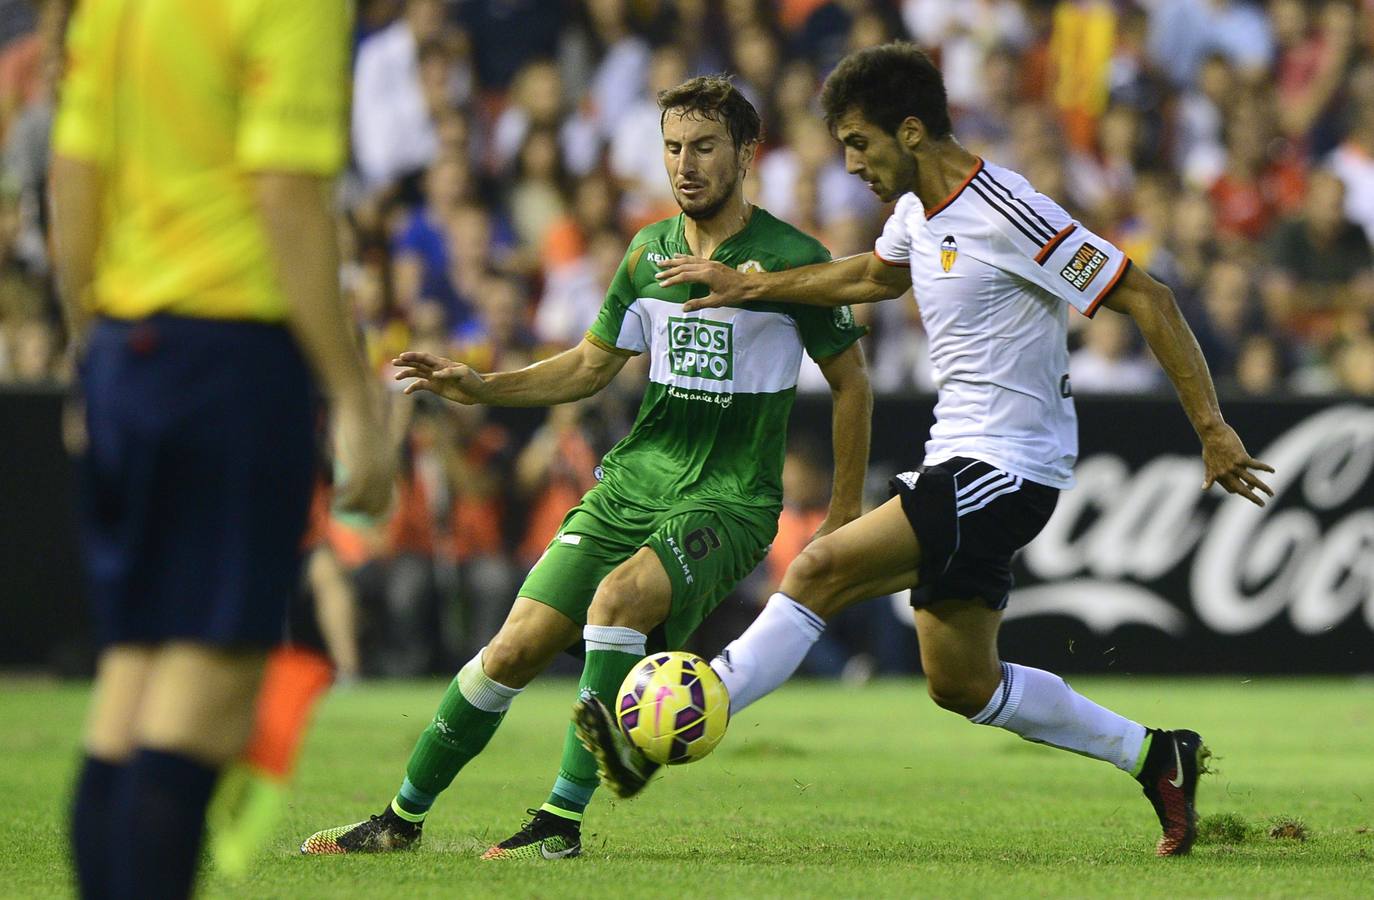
704	167
875	156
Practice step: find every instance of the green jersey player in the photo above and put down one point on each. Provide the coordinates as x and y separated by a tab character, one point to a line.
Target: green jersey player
688	501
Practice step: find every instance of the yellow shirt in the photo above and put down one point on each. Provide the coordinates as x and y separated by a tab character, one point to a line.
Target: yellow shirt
178	102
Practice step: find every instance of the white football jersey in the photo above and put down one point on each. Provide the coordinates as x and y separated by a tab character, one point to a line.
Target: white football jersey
992	268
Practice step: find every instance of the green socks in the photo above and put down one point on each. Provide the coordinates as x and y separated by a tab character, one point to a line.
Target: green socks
473	707
468	715
612	652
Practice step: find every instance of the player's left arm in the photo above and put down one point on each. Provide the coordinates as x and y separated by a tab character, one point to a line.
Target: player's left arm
76	186
1157	315
851	417
82	150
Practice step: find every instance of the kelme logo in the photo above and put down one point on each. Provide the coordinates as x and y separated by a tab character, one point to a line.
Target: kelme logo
700	348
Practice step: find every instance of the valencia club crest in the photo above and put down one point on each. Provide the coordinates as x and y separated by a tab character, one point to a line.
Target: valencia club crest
949	252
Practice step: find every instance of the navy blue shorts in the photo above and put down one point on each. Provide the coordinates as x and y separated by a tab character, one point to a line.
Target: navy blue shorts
970	519
197	479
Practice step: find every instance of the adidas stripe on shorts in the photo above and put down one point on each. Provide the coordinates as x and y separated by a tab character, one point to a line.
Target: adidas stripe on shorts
970	519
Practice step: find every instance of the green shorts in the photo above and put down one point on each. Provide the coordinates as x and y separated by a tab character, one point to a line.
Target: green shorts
706	547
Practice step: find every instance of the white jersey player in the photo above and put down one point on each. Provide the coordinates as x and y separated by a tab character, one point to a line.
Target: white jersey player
994	267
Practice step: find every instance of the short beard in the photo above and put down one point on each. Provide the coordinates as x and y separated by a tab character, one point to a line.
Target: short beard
710	209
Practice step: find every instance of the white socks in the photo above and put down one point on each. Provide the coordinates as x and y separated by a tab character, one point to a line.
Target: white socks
760	660
1041	707
1037	705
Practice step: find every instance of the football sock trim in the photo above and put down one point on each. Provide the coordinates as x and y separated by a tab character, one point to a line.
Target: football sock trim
768	652
481	691
616	638
561	813
570	796
1143	753
1005	700
415	818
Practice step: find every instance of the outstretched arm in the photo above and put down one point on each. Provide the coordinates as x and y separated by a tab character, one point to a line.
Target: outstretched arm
1157	315
851	417
862	278
571	375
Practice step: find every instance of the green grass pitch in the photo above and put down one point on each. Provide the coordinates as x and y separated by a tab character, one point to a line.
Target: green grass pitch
819	791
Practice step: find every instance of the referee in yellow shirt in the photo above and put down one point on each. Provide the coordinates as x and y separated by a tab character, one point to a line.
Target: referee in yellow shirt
194	150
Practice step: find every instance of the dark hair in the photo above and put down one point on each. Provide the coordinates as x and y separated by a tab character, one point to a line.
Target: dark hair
887	84
714	97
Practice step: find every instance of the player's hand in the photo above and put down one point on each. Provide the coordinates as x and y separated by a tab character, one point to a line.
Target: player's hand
725	283
365	457
1228	465
451	380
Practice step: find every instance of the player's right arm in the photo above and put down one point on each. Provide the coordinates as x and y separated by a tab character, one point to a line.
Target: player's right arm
571	375
862	278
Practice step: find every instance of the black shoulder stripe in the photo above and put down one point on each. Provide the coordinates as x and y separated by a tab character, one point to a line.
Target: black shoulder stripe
1030	209
1006	215
1041	228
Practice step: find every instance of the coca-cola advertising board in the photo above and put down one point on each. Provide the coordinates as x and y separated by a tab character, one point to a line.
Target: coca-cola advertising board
1139	571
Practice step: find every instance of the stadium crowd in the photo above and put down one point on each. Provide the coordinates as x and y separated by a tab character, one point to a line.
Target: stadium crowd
504	153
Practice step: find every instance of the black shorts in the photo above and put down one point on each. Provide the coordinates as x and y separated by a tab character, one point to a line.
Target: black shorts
197	479
970	518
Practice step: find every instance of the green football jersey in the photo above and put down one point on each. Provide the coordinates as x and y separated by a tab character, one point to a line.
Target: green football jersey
713	423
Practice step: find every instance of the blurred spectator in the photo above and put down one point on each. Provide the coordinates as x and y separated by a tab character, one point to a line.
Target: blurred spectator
1354	365
478	455
575	290
384	333
536	102
537	192
1108	362
1102	180
1144	232
1230	313
499	338
552	472
507	35
1315	41
1316	258
804	181
1081	47
594	208
393	132
964	33
757	58
1353	163
620	76
421	248
1183	32
636	150
1199	149
32	352
986	128
1258	184
25	167
1259	367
